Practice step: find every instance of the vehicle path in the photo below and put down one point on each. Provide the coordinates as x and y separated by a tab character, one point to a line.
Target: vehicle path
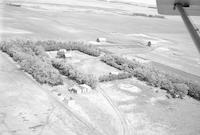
21	95
125	130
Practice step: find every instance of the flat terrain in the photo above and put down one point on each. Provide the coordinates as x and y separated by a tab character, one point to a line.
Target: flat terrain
88	20
87	64
25	108
28	108
123	107
148	111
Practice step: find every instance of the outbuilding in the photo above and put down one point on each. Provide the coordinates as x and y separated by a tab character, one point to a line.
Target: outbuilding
75	89
101	40
85	88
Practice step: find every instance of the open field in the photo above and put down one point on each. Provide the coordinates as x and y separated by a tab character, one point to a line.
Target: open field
172	47
26	108
128	104
121	107
47	112
148	111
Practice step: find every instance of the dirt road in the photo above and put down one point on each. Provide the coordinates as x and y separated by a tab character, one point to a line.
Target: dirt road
124	126
26	108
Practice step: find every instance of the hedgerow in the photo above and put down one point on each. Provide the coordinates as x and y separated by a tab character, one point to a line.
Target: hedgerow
172	83
120	63
194	89
180	89
112	77
33	60
69	71
51	45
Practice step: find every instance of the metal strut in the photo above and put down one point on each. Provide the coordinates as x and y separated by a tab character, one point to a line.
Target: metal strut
193	32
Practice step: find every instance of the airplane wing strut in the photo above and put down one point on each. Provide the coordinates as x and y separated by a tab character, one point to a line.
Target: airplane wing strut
181	7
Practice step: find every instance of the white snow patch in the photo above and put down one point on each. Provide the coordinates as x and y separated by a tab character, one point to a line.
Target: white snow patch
135	120
5	18
119	96
52	54
13	31
130	88
108	84
72	104
162	49
68	29
141	60
127	107
153	39
139	2
153	100
100	102
35	18
94	43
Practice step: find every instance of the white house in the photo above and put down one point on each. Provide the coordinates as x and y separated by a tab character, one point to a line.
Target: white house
83	88
68	54
62	53
75	89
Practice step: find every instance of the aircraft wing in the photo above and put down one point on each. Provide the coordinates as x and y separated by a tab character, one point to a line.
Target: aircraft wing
166	7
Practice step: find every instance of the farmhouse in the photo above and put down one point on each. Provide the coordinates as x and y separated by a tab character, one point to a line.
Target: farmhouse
85	88
62	53
80	89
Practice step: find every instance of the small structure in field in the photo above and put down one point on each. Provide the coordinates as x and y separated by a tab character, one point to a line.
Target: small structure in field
75	89
68	99
83	88
14	4
101	40
62	53
63	50
68	54
149	44
114	73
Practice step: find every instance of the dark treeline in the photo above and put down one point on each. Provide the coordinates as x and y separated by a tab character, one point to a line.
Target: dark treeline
69	71
176	85
51	45
112	77
32	60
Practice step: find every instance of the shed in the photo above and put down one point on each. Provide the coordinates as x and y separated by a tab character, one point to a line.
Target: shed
114	73
75	89
63	50
85	88
68	54
62	53
101	40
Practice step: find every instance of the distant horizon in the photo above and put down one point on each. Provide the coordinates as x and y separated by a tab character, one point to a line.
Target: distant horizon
152	2
147	2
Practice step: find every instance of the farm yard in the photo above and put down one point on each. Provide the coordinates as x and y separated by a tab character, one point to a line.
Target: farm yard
96	67
127	97
87	64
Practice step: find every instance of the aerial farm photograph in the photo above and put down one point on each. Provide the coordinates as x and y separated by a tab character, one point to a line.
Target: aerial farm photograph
99	67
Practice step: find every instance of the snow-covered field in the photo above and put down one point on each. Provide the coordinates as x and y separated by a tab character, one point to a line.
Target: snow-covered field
145	111
139	2
148	110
